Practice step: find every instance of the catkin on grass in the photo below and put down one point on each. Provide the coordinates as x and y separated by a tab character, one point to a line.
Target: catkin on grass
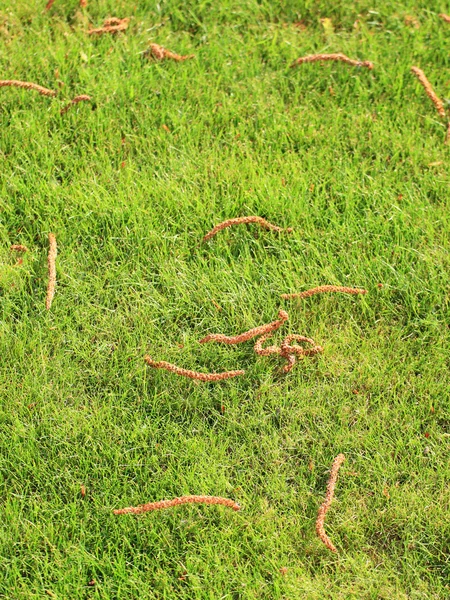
429	90
111	25
52	252
335	57
247	335
137	510
18	248
81	98
162	364
445	17
160	53
324	288
320	530
447	136
244	220
27	86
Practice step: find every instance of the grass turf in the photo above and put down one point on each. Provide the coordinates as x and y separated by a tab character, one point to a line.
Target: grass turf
355	162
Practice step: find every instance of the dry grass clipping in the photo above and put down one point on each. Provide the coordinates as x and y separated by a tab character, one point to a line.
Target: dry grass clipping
336	57
18	248
27	86
429	90
445	17
52	252
111	25
162	364
161	53
81	98
244	220
137	510
247	335
327	503
324	288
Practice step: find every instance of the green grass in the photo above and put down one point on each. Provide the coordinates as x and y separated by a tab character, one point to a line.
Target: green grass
355	161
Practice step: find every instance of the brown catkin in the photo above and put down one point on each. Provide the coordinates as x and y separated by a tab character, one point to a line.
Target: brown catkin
258	347
52	252
245	220
162	364
429	90
247	335
160	53
324	288
18	248
49	4
136	510
336	57
288	348
445	17
27	86
81	98
111	25
327	503
447	137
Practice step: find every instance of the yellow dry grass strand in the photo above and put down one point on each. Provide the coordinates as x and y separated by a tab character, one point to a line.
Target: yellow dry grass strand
27	86
81	98
323	289
162	364
247	335
137	510
320	530
160	53
18	248
429	90
339	57
52	252
243	221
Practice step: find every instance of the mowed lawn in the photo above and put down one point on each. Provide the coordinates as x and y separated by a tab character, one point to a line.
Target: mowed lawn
355	161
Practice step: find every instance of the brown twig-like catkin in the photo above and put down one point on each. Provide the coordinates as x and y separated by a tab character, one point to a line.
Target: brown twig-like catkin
327	503
27	86
19	248
247	335
445	17
81	98
288	348
111	25
160	53
51	270
245	220
136	510
429	90
49	4
447	137
324	288
258	347
337	57
162	364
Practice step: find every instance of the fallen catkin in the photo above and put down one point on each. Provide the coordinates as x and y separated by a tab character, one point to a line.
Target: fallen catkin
191	374
336	57
160	53
27	86
136	510
258	347
247	335
429	90
18	248
324	288
81	98
245	220
51	270
288	348
327	503
445	17
111	25
447	137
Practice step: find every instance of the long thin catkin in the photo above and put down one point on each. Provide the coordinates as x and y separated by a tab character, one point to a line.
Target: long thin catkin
336	57
445	17
160	53
136	510
320	530
429	90
19	248
162	364
324	288
52	252
81	98
245	220
247	335
27	86
111	25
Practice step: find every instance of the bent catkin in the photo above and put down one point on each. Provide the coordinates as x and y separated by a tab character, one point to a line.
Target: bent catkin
429	90
162	364
320	530
52	252
336	57
445	17
81	98
160	53
245	220
27	86
111	25
136	510
324	288
288	348
258	347
247	335
18	248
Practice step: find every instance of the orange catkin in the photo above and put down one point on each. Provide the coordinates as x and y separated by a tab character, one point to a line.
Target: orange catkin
28	86
247	335
429	90
81	98
160	53
18	248
320	530
111	25
336	57
245	220
162	364
445	17
447	137
52	252
136	510
324	288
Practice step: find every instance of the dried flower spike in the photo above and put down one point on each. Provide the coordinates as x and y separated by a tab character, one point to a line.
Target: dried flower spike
445	17
111	25
429	90
81	98
245	220
137	510
324	288
247	335
160	53
258	347
336	57
162	364
51	270
27	86
49	4
19	248
327	503
287	348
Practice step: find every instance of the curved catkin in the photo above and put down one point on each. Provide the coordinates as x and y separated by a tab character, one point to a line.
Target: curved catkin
324	288
288	348
320	530
429	90
162	364
81	98
27	86
137	510
335	57
160	53
52	252
258	347
242	221
247	335
111	25
18	248
445	17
